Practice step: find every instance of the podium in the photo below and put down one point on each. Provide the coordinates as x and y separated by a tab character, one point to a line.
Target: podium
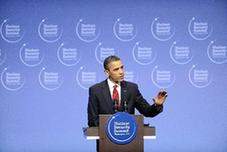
106	145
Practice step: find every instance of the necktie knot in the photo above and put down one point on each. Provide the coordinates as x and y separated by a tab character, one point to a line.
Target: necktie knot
115	86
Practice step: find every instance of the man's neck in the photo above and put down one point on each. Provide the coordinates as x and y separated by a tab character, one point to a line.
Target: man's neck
114	81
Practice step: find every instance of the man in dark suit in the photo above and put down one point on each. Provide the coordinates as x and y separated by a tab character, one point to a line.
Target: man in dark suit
114	94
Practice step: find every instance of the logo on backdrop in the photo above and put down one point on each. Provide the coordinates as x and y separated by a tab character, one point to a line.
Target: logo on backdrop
162	78
86	78
124	29
2	56
12	80
199	29
50	79
87	30
217	53
101	52
180	53
11	32
121	128
143	54
199	77
162	29
49	31
31	55
68	56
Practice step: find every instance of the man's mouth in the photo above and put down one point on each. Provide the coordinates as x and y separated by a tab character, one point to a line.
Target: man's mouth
122	77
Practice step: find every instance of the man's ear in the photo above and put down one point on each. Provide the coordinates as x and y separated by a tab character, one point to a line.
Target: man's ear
106	72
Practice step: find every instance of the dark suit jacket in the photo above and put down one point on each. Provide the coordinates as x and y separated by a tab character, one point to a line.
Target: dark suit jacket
100	102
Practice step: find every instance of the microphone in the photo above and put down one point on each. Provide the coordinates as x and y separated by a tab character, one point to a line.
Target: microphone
125	102
125	106
115	105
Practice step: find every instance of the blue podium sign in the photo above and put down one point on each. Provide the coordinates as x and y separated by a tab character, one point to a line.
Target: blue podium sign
121	128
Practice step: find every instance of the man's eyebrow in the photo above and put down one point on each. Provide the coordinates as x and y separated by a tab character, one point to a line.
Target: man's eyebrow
115	68
119	67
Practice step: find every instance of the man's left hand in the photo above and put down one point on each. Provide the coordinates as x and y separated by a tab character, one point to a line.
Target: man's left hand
160	98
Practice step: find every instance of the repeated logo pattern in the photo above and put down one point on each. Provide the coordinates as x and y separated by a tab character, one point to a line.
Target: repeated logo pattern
125	30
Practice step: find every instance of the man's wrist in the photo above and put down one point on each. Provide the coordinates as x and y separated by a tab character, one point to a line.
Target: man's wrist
155	103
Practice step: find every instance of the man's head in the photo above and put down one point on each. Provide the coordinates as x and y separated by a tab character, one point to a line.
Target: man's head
114	68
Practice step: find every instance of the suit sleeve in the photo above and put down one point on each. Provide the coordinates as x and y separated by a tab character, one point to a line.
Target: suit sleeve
144	107
92	108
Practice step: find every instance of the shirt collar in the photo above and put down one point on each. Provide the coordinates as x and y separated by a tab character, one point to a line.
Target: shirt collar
112	84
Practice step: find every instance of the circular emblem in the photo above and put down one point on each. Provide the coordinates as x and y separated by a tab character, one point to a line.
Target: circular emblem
49	30
124	29
199	28
162	29
87	30
121	128
162	78
12	31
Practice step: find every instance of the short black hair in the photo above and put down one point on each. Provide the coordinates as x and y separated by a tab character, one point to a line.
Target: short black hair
109	59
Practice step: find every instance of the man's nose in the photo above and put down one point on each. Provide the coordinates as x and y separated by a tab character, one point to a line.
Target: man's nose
121	71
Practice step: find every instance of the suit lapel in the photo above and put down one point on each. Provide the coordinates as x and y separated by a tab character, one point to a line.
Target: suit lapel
107	95
123	93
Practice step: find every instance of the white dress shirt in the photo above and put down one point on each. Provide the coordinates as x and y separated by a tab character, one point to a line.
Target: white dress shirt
111	87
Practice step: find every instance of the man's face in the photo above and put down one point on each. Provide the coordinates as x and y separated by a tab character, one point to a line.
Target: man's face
115	71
